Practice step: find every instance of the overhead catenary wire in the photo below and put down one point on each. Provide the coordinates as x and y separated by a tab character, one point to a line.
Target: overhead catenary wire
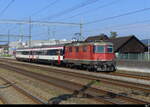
118	26
91	10
4	10
41	9
117	16
81	5
45	8
42	23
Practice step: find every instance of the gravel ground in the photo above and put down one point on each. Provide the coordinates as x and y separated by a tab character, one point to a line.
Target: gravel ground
13	96
112	88
41	89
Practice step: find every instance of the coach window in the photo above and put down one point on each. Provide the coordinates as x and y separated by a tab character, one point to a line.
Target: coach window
61	52
49	52
25	53
77	49
45	52
22	52
40	52
19	53
30	53
84	48
34	53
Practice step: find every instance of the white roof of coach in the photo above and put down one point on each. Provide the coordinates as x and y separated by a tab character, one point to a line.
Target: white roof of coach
40	49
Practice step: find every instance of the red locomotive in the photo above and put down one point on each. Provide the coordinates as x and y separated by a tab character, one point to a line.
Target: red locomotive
95	56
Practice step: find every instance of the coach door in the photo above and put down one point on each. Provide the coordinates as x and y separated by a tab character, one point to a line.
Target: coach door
59	56
30	55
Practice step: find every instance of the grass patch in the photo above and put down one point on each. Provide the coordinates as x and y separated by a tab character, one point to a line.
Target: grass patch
6	55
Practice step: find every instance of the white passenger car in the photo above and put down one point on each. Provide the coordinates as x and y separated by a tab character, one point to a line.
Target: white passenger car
48	54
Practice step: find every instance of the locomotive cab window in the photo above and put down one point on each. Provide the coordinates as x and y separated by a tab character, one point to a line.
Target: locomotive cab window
110	49
99	49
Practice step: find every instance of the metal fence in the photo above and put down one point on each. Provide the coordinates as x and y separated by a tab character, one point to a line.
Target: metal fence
136	57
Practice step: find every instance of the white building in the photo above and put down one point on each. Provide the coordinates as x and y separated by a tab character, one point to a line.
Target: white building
35	43
15	45
3	49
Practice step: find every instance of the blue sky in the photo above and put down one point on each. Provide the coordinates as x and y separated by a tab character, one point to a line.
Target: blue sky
77	11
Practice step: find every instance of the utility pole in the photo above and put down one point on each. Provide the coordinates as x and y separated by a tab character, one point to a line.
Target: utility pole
148	49
30	31
8	41
81	29
21	34
49	32
54	32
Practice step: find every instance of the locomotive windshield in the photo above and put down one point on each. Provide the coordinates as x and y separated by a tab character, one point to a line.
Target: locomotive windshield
103	49
110	49
99	49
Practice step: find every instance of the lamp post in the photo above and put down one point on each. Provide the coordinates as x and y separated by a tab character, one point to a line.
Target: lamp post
30	32
8	42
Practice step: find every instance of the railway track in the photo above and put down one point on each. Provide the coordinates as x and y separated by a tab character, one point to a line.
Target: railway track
3	100
136	76
94	93
22	91
138	87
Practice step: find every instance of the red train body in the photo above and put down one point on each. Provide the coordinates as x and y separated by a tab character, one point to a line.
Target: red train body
97	56
94	56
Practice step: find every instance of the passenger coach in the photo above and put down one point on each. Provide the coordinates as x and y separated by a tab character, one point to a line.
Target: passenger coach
52	55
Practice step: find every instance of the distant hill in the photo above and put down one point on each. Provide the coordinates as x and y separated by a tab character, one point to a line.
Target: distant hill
145	41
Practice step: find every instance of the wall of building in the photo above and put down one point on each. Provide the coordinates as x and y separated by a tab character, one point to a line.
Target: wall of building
133	46
14	45
1	51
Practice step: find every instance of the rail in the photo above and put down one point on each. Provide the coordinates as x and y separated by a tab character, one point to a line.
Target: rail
22	91
99	94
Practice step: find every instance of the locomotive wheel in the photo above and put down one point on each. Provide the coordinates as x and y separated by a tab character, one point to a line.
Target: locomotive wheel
113	68
90	69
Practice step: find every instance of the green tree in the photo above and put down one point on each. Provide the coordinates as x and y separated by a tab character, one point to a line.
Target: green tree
113	35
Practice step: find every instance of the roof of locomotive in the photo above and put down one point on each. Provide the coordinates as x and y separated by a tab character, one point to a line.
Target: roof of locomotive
89	43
